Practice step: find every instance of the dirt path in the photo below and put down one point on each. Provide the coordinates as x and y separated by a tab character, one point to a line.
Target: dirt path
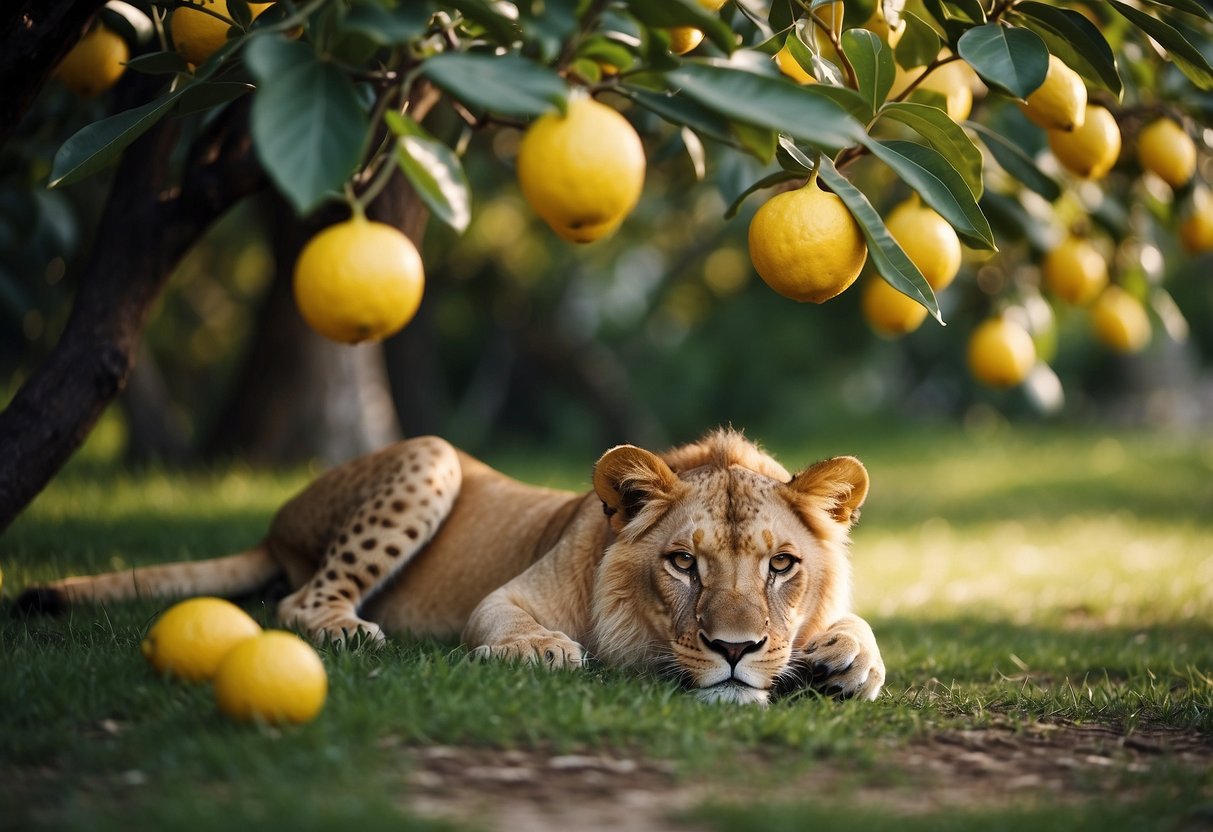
520	790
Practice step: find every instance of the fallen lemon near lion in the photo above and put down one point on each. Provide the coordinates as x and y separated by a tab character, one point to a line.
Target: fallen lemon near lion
1060	103
1001	353
1196	229
928	240
1120	321
806	245
1075	271
275	677
196	34
358	280
583	171
888	311
95	63
191	638
1166	150
1091	150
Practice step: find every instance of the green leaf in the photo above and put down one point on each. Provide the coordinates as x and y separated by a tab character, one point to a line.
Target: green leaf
886	255
1015	162
774	103
1075	40
159	63
604	50
846	98
956	17
919	43
683	111
1015	60
943	134
308	130
1186	56
508	84
667	13
204	95
939	185
873	64
95	146
1189	6
783	14
757	141
240	13
434	171
270	56
387	27
496	25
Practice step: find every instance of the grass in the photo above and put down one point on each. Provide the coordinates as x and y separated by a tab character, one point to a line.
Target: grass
1012	579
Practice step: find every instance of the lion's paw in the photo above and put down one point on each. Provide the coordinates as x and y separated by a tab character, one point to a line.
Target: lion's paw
842	662
553	650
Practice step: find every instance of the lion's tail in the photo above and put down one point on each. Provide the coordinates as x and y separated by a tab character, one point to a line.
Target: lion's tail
229	577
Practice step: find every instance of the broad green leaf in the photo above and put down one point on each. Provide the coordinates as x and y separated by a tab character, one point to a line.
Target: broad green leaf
308	130
1015	60
873	64
387	27
547	26
794	159
1075	40
783	14
666	13
956	17
204	95
604	50
269	56
240	13
939	185
810	60
886	255
919	43
158	63
1014	223
95	146
774	103
1016	163
434	171
681	110
488	15
846	98
1189	6
758	141
943	134
1186	56
508	84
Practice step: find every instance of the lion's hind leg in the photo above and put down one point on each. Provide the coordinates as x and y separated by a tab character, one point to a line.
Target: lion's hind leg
408	492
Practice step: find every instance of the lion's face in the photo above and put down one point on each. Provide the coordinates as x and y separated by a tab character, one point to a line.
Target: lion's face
720	572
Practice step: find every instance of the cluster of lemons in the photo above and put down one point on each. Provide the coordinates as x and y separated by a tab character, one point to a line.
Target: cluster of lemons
270	676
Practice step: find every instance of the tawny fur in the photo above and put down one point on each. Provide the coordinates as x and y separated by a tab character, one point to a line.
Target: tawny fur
424	539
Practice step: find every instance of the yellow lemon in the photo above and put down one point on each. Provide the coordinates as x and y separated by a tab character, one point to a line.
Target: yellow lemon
1165	149
1196	229
1001	353
685	38
888	311
1075	271
191	638
358	281
1060	103
806	245
951	80
95	63
928	240
1092	149
275	677
582	172
790	67
196	34
878	23
1120	321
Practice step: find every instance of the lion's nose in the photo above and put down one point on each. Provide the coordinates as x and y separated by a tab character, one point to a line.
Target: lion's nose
732	650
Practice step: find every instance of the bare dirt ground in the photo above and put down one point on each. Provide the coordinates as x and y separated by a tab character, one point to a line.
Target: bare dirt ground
523	790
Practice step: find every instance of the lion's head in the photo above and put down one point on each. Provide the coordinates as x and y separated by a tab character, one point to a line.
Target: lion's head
723	564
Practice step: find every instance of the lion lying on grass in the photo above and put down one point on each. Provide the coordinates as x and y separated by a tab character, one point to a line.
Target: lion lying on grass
711	564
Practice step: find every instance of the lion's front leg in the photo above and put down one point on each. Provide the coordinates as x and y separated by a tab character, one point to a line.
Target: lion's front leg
501	628
843	661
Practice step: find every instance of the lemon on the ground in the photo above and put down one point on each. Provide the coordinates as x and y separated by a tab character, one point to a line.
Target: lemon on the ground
358	280
1060	103
951	80
191	638
1196	228
1075	271
888	311
582	172
928	240
1001	353
1120	321
275	677
790	67
1165	149
95	63
1092	149
806	245
196	34
685	38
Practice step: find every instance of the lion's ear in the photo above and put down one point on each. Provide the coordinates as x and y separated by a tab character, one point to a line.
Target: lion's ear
838	485
628	479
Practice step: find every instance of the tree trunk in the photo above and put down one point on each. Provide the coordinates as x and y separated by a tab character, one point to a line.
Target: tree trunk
34	37
145	229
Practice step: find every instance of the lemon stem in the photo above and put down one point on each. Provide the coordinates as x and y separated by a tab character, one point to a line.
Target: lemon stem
812	178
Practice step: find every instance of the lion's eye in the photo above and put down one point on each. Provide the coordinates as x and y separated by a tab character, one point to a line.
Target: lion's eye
782	562
682	561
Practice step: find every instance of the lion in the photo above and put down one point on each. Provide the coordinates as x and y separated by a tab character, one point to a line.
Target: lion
709	563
